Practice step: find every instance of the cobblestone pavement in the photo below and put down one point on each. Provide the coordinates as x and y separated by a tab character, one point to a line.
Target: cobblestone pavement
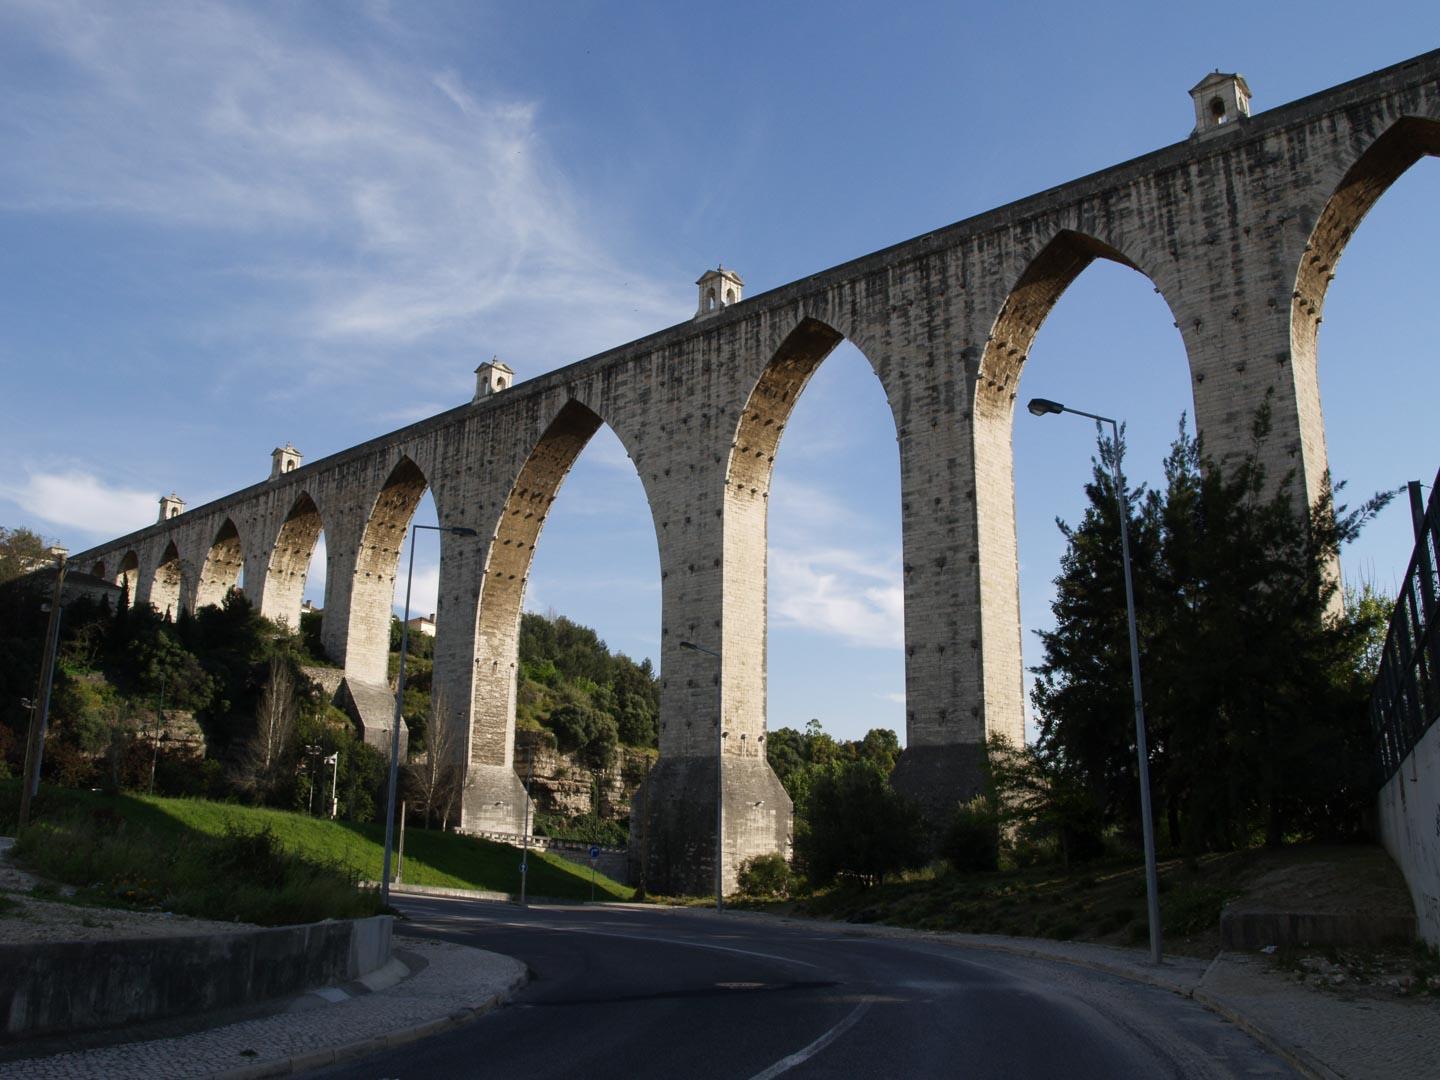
454	984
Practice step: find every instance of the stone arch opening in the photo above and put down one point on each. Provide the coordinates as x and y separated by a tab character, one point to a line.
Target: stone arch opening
224	563
98	570
1377	340
166	588
506	573
1031	300
834	588
372	590
128	577
1389	156
289	568
1102	339
749	476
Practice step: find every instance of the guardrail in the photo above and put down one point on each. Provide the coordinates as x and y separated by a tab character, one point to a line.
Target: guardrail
1406	698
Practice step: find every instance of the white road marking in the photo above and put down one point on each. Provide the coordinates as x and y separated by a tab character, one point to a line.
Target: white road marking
803	1055
645	937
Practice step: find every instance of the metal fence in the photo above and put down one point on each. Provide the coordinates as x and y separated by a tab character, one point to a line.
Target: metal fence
1406	698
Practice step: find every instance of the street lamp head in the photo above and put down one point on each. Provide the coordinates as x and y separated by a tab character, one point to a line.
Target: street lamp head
690	645
461	530
1040	406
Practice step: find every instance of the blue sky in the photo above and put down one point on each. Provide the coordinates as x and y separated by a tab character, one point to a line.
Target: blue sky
227	226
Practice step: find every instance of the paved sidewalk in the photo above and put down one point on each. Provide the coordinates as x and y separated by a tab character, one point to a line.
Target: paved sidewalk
455	984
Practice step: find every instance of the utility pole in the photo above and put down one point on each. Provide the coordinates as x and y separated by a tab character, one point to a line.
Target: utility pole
525	842
35	742
159	723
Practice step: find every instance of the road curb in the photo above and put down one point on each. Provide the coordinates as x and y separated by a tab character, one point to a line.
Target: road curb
1299	1060
335	1055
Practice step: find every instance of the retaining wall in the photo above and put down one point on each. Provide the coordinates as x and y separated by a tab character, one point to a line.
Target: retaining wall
1409	810
70	986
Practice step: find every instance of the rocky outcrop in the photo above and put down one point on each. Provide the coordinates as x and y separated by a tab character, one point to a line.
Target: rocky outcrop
562	785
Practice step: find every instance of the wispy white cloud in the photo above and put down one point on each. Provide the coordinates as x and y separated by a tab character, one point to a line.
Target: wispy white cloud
80	500
840	593
424	591
379	204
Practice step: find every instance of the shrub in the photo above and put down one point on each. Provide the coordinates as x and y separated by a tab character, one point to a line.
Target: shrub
972	840
765	875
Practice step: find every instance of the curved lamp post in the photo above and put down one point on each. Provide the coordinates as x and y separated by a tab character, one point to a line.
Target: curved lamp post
1046	407
454	530
719	791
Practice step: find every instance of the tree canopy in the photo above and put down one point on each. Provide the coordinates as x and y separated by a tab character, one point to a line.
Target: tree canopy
1253	671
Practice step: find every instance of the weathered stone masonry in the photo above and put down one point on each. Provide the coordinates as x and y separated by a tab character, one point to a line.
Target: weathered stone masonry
1239	228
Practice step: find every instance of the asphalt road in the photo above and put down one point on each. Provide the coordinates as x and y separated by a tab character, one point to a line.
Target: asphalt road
624	993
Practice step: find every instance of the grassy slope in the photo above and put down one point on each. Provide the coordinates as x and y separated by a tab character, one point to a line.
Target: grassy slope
431	858
1105	901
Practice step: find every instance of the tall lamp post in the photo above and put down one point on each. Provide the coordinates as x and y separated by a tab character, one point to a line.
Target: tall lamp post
454	530
719	790
1046	407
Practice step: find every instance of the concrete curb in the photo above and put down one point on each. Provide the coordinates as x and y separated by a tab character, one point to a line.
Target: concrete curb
445	892
336	1055
1300	1060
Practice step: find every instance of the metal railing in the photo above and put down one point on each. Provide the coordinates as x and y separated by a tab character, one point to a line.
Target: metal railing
1406	698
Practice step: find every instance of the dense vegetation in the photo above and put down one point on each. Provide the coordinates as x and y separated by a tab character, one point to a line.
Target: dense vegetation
849	822
1256	677
266	726
590	699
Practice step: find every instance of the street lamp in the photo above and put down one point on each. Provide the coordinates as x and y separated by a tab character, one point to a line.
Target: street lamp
454	530
719	790
1046	407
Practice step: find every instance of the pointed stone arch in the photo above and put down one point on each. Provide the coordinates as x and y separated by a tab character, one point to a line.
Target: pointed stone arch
502	588
289	564
128	576
744	636
98	570
167	586
372	589
1030	301
223	563
1403	144
1382	163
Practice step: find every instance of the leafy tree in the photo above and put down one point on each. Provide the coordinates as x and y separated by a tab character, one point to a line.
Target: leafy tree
21	551
1254	693
859	826
271	743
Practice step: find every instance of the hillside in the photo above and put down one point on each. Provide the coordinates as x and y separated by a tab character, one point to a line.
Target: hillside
431	857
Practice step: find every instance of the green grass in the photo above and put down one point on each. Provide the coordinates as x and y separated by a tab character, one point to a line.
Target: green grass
431	857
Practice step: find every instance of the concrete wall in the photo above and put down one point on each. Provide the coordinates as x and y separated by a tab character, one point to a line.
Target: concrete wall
72	986
1409	807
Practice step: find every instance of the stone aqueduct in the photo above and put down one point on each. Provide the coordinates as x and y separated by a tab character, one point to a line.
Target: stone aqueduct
1239	228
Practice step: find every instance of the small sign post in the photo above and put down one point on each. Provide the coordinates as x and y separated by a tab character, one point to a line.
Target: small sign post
594	858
